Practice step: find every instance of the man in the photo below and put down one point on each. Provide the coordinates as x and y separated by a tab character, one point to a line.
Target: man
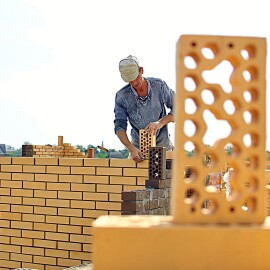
142	102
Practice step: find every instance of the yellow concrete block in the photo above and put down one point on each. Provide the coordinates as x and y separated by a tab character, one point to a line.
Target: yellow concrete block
46	177
45	194
82	204
143	164
70	212
23	176
96	162
71	195
5	175
58	186
244	97
41	210
108	206
18	192
57	202
109	188
83	187
34	185
157	243
71	178
11	184
94	196
69	229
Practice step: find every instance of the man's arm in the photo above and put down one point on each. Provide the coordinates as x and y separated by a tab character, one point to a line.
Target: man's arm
152	127
135	153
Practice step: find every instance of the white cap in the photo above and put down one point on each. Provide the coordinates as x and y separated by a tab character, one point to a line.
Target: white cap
129	68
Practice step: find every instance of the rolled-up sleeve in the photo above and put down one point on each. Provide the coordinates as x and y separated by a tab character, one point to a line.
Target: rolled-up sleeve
120	112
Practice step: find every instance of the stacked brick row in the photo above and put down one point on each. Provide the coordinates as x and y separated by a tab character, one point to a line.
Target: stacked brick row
155	198
65	150
47	206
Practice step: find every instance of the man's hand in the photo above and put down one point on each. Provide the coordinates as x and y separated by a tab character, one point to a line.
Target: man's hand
136	155
153	127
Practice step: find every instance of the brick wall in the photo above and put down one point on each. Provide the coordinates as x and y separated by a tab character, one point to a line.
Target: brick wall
47	207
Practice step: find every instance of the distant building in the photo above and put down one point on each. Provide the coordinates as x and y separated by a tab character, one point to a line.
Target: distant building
116	155
10	148
3	150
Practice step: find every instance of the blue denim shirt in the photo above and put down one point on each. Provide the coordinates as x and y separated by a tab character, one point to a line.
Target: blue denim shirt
128	107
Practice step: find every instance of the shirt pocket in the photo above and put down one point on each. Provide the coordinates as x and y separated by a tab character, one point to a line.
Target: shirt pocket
135	116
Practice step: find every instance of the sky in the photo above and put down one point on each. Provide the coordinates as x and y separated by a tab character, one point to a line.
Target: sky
59	59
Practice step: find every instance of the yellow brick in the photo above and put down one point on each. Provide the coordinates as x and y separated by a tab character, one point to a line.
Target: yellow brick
11	200
69	212
80	238
5	175
45	210
100	179
135	172
71	161
46	161
70	229
72	195
23	160
115	213
5	207
57	219
58	169
95	196
44	260
80	255
96	162
33	234
108	205
5	160
83	187
21	225
34	218
109	171
11	233
57	203
81	221
109	188
130	188
69	246
34	266
95	213
71	178
88	230
23	176
9	264
22	209
45	226
34	201
33	250
5	224
143	164
22	192
68	262
57	253
4	191
58	186
4	240
115	197
11	184
46	177
20	241
45	194
83	204
121	180
87	248
11	168
82	170
33	169
122	163
20	257
44	243
57	236
141	181
4	255
34	185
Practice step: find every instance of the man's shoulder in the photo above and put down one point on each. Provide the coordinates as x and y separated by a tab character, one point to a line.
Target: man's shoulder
124	89
155	80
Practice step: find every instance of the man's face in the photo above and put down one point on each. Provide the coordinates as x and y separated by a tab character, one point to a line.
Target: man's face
137	83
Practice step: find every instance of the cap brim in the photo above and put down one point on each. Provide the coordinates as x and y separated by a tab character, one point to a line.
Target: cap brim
130	77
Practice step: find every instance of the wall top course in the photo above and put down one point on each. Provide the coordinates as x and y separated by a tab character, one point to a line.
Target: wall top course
5	160
122	163
25	160
71	161
46	161
96	162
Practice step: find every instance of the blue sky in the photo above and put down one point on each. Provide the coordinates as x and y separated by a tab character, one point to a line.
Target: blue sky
59	59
